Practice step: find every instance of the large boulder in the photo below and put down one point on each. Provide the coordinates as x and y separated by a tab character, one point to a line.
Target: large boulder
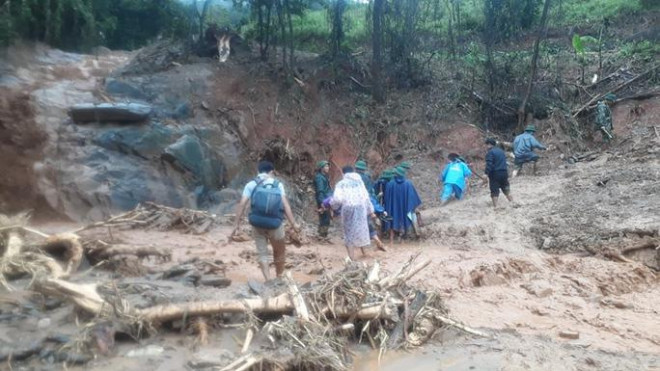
190	154
146	141
115	87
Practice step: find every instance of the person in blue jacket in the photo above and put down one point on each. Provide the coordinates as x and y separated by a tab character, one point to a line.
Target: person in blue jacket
454	179
497	172
523	149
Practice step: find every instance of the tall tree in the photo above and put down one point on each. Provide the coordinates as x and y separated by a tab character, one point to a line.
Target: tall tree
377	86
542	31
337	34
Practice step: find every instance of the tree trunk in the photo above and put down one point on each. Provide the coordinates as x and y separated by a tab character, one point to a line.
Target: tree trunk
261	31
337	35
283	42
287	4
543	30
269	13
377	57
202	17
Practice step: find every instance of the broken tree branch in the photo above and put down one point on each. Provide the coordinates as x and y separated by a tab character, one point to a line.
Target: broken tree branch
593	100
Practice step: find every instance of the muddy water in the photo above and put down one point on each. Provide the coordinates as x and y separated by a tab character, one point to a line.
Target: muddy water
506	351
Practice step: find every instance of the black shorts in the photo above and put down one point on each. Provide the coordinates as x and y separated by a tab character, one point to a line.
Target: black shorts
498	180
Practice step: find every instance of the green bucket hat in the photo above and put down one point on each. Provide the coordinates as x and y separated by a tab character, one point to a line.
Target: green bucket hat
406	165
610	97
387	174
361	165
400	171
321	164
530	128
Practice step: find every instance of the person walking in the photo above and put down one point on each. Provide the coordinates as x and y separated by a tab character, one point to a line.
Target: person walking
523	149
352	198
401	203
363	170
497	172
454	179
604	117
268	207
322	191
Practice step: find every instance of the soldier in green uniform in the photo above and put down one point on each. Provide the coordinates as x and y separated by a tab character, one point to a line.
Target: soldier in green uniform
363	170
604	117
323	190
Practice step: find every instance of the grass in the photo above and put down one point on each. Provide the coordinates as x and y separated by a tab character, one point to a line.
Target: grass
312	29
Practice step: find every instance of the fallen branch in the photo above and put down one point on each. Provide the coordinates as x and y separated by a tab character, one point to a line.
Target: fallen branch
450	322
619	87
67	247
107	251
296	297
652	244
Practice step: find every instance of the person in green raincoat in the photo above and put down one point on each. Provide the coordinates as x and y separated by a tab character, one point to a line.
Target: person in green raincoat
322	190
381	183
362	169
604	117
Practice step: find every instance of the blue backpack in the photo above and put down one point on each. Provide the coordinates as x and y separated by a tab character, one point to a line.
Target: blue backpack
266	210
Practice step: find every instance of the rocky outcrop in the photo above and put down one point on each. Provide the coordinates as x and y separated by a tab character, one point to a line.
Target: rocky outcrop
97	158
110	112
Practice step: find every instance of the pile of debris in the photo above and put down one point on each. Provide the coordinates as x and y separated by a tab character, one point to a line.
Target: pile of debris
153	216
298	327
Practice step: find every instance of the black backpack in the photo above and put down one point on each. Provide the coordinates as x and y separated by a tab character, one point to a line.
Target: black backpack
266	208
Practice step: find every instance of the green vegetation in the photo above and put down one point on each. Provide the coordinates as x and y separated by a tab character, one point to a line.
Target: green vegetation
82	24
644	51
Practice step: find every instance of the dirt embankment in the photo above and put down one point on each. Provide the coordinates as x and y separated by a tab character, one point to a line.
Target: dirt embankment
21	145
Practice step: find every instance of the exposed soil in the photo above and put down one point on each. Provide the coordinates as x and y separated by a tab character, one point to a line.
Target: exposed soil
528	273
490	270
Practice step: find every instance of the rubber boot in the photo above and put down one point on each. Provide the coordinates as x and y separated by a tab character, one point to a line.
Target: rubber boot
279	257
323	232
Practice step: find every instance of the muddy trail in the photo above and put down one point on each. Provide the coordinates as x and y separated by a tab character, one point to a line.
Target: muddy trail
564	279
577	299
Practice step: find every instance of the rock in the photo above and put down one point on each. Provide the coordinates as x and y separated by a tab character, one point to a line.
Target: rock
148	351
146	141
548	243
615	303
214	281
569	334
182	111
43	323
116	87
539	289
190	154
110	112
210	358
540	311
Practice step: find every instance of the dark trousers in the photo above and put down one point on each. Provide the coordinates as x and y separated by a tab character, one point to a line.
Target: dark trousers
324	223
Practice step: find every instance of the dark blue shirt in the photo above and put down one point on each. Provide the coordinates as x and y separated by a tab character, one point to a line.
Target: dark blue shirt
495	160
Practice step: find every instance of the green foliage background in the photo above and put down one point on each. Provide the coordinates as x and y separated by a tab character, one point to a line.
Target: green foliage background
82	24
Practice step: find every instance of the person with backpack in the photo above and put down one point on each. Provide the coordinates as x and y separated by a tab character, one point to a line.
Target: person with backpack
268	207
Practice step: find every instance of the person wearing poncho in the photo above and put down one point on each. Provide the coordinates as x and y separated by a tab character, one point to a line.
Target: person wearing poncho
381	183
362	169
352	198
322	191
401	201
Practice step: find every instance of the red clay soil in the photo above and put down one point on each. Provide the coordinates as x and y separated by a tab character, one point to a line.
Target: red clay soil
21	145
